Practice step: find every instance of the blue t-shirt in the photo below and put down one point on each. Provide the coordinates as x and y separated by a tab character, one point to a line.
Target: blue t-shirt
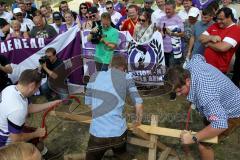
106	93
198	29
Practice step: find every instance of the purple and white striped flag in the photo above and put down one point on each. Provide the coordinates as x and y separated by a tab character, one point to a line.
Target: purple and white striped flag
25	53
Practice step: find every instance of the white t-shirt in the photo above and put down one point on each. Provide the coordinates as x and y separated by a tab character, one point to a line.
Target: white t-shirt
6	15
156	15
13	111
115	17
27	23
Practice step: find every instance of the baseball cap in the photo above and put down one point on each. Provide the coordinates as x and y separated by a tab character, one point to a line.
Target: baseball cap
3	23
17	10
93	10
193	12
57	16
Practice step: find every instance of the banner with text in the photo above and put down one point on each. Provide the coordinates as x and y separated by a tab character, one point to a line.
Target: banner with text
145	60
25	53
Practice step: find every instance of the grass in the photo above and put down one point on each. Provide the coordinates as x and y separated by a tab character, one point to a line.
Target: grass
72	137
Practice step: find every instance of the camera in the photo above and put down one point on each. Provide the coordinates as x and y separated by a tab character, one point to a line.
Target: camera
43	59
96	37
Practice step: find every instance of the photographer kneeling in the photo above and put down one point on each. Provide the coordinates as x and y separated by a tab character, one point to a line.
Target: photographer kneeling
48	63
106	38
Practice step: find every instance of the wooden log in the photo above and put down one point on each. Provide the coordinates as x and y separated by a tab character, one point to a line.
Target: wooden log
140	142
152	152
170	132
140	133
160	131
165	153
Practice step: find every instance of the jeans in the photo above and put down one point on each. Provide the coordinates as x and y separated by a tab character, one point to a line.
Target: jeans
45	90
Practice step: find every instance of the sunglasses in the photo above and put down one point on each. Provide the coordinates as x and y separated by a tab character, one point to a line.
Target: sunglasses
83	7
28	4
92	16
142	20
109	8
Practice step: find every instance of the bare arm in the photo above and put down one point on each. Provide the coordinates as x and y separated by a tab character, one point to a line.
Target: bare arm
206	133
7	68
33	108
180	34
220	46
39	132
209	132
109	44
50	73
139	112
190	46
204	39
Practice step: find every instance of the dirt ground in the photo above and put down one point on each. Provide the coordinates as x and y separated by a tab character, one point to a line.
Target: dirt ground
71	137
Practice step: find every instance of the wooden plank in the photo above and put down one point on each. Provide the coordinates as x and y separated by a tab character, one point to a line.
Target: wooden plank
170	132
146	128
152	152
140	142
165	153
140	133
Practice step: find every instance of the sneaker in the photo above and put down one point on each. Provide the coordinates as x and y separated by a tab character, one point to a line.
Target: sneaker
52	155
172	96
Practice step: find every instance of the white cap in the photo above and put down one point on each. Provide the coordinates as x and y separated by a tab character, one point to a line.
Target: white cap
17	10
193	12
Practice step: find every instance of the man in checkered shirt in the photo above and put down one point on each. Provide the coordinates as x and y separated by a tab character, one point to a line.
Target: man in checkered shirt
215	97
